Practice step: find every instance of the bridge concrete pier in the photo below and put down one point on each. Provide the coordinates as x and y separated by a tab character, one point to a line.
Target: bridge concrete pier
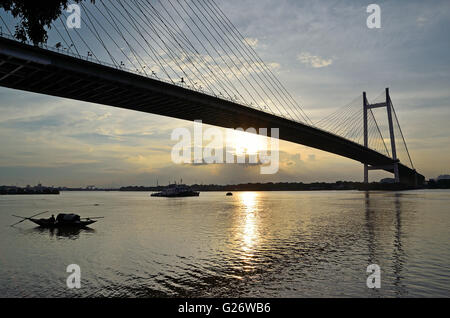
407	178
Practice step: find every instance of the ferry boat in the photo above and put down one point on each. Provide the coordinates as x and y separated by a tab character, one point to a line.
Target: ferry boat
176	191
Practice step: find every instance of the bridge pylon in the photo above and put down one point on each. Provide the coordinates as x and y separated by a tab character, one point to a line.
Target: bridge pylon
388	105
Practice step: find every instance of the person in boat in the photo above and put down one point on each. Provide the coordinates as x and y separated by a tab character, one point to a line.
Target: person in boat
52	219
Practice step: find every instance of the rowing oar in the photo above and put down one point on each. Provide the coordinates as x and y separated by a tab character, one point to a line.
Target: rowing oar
24	218
93	218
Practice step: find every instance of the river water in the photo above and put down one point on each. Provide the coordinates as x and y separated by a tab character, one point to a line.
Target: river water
254	244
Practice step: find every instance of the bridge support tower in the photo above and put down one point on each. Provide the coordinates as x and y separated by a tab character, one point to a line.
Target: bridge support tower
395	161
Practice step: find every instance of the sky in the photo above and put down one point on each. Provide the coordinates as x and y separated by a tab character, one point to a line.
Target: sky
322	51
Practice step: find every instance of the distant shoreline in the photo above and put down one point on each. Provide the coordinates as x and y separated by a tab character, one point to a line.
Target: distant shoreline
271	187
264	187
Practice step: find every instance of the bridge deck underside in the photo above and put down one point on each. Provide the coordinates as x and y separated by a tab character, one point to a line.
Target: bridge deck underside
36	70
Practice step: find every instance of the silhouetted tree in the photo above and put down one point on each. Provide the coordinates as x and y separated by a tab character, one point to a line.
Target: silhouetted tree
34	16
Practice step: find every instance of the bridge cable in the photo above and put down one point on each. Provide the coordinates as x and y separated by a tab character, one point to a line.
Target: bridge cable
235	90
342	122
247	66
153	57
250	48
381	135
207	51
7	28
190	47
168	51
84	42
231	36
214	47
63	39
401	133
132	50
336	119
339	111
203	79
160	39
96	34
354	127
70	37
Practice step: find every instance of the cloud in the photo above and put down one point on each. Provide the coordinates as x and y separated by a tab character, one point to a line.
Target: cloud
421	21
314	60
253	42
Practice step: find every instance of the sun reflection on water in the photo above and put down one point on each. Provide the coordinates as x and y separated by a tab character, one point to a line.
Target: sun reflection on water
250	234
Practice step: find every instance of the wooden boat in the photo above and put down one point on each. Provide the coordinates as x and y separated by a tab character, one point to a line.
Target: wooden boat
61	221
47	223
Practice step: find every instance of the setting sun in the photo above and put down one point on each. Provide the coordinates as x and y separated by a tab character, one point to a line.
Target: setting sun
247	144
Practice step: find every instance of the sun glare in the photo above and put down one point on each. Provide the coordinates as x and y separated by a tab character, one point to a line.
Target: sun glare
247	144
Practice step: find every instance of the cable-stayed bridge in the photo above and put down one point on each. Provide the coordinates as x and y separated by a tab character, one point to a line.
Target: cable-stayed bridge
187	60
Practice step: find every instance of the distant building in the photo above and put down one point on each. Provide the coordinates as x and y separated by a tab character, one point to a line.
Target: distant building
387	181
443	177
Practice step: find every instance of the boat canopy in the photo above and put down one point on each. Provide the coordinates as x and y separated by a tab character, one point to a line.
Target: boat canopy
68	218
